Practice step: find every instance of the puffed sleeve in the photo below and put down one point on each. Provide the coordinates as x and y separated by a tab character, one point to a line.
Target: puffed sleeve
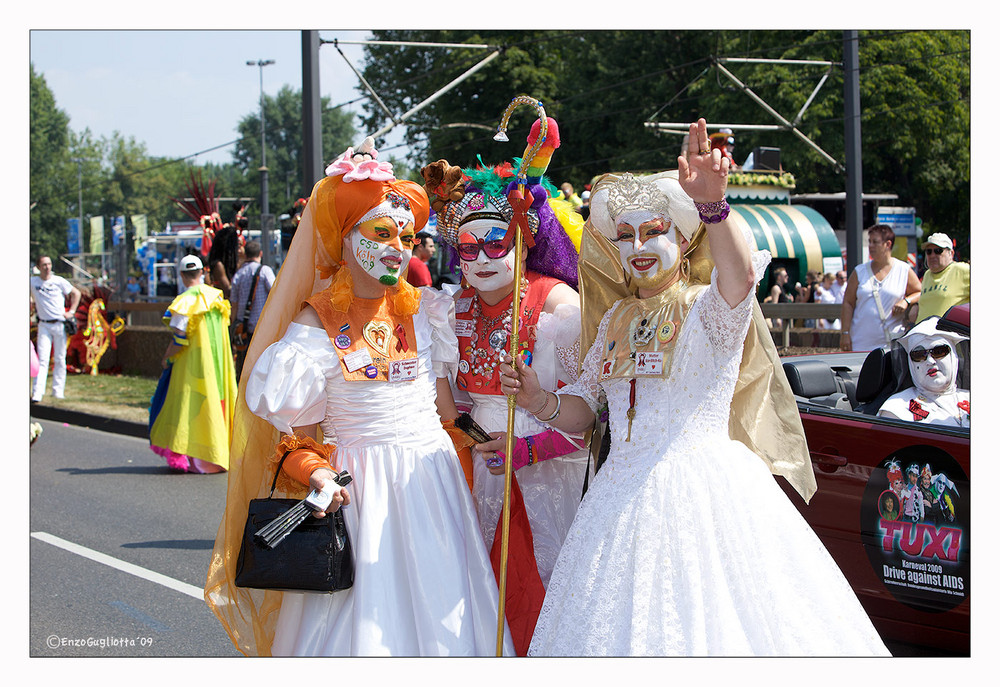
588	386
287	386
440	310
727	327
561	328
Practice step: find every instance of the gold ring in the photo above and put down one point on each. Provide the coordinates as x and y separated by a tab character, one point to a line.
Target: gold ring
704	152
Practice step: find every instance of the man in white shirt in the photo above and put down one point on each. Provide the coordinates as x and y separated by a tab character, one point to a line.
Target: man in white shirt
49	293
839	284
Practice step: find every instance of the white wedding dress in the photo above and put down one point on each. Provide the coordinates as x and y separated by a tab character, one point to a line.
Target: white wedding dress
423	582
684	544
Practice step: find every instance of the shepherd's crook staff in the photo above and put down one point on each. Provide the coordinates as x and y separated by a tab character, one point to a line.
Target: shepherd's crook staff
520	200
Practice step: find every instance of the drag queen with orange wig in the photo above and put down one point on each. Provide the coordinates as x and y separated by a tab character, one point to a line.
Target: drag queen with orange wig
344	368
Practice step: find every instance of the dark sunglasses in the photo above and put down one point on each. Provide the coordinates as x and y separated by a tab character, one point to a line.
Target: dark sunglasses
919	355
936	251
493	249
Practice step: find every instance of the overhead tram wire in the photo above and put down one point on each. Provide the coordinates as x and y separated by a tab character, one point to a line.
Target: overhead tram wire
594	91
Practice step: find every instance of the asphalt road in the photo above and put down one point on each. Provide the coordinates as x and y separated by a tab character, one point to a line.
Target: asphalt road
119	549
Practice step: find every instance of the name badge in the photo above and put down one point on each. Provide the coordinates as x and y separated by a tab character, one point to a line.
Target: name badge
464	327
358	359
649	363
463	305
403	370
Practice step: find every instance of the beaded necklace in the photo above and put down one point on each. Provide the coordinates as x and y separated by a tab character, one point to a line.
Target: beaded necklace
485	358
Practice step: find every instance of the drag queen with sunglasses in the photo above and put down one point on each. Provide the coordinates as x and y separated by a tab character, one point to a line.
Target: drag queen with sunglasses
652	565
932	362
345	366
473	218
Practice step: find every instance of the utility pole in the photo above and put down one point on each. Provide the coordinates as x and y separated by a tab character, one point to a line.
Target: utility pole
312	117
853	212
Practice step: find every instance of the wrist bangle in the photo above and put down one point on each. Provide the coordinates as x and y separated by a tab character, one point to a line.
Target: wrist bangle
554	415
544	403
714	212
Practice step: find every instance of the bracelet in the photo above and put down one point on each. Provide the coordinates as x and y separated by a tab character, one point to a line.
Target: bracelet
906	300
544	403
554	415
714	212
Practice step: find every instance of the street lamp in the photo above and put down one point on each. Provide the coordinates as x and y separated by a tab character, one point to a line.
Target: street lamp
265	208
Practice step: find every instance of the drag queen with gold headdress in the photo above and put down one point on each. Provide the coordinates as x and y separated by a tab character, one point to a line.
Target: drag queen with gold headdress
685	544
345	374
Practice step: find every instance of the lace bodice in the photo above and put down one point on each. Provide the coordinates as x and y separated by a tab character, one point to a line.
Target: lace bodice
693	404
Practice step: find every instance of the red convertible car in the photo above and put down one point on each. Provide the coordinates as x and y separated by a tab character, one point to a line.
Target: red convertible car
911	575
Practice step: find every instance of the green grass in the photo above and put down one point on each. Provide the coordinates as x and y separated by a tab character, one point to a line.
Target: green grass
115	396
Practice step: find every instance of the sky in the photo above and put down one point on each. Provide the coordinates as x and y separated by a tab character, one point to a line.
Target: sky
152	85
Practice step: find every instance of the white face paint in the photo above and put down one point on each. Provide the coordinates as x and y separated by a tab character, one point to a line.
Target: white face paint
486	273
382	249
930	375
649	255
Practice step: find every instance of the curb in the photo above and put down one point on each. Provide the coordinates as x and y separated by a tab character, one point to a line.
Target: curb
104	424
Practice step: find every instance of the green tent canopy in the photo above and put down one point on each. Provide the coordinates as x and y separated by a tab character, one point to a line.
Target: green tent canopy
797	237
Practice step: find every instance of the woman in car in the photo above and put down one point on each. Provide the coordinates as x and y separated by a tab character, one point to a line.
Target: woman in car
930	393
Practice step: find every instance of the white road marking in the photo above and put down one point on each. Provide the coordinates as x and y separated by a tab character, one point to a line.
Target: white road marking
151	576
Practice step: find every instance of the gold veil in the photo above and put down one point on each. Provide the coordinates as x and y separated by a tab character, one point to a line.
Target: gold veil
249	616
763	415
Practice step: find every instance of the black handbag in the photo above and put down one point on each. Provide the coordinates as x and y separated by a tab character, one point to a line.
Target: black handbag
70	326
315	557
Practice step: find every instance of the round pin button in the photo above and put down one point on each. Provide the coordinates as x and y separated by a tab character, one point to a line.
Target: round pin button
371	372
666	332
342	341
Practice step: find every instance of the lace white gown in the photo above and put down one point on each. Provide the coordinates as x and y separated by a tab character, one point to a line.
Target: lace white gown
684	544
423	582
551	489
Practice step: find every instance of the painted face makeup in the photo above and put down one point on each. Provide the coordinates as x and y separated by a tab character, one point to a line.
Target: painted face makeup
382	248
485	273
650	256
932	368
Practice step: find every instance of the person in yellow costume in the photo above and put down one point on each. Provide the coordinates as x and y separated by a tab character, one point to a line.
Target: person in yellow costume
193	426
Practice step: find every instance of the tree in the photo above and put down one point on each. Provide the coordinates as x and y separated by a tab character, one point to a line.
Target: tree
602	86
283	134
49	172
136	184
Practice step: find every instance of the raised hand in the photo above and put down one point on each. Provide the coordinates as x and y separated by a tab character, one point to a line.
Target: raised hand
703	173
